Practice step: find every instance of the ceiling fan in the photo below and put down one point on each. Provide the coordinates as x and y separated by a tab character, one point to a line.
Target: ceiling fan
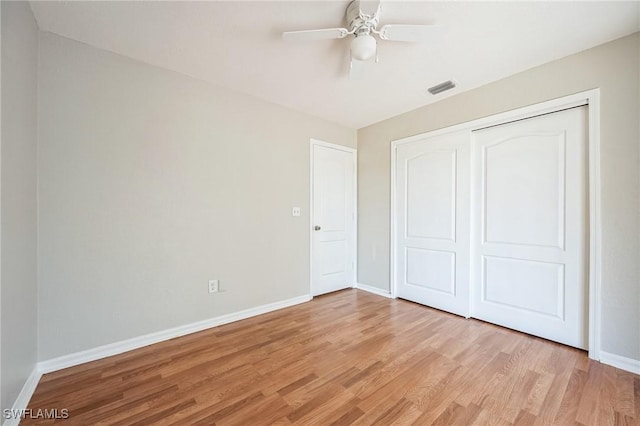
363	26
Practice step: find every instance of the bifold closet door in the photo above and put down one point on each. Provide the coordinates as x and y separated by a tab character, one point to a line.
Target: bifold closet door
529	242
432	222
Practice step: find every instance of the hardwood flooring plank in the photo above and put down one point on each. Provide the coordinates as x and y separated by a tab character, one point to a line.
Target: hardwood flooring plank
525	418
536	397
448	415
568	410
636	393
297	384
587	410
605	411
312	404
553	399
266	412
349	417
623	400
520	392
156	417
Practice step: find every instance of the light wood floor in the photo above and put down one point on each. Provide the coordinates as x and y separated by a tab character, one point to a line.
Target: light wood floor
346	358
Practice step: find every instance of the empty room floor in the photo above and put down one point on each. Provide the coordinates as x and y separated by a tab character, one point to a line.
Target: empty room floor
346	358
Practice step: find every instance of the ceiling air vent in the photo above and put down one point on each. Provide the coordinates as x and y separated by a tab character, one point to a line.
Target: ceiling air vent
439	88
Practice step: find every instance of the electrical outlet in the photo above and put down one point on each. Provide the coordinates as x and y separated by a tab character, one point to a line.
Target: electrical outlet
295	211
214	286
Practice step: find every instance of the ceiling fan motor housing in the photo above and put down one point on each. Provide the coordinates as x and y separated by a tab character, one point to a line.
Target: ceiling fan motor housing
359	22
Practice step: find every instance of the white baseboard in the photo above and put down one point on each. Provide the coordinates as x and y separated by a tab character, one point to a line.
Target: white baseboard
160	336
374	290
628	364
24	397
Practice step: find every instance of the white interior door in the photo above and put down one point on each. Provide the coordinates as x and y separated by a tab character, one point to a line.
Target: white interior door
432	222
333	218
529	230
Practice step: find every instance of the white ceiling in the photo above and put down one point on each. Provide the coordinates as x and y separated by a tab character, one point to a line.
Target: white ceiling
238	45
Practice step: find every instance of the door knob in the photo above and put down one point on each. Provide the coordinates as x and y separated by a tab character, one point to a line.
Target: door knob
316	228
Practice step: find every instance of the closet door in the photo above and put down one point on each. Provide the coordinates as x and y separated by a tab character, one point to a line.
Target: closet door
529	264
432	222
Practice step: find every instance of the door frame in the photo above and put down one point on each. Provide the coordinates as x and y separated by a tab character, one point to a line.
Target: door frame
590	98
354	253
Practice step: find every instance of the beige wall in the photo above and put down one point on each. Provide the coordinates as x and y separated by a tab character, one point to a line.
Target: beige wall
151	183
614	68
18	264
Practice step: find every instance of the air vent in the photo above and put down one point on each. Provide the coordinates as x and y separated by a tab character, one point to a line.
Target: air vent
439	88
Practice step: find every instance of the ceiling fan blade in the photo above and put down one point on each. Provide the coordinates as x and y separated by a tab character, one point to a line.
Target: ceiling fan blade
309	35
356	69
399	32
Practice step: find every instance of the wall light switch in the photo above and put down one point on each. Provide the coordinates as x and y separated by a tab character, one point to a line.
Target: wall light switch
214	286
295	211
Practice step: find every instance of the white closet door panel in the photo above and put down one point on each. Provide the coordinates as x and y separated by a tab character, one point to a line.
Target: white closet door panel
511	193
432	223
431	269
529	234
524	284
431	195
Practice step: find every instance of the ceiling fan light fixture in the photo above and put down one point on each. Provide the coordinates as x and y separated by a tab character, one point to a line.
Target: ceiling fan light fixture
363	47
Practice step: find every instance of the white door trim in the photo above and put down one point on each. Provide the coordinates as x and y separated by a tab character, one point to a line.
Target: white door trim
354	254
590	98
